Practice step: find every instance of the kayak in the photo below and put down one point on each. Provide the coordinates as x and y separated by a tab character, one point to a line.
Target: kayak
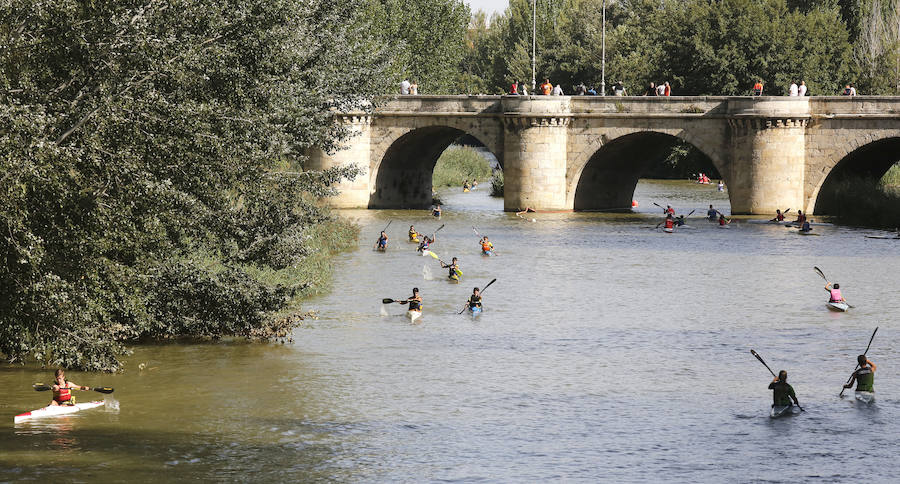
776	222
487	252
465	190
414	239
726	226
426	253
413	315
781	411
814	224
807	232
889	237
54	410
838	306
475	311
865	397
668	230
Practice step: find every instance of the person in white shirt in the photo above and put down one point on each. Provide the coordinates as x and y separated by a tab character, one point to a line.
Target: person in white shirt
802	90
557	91
794	89
404	87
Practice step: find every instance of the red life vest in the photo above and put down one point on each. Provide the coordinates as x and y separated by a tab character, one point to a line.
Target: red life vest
836	295
722	221
670	223
62	395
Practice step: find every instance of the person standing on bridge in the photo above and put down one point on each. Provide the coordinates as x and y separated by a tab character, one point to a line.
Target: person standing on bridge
651	91
801	91
558	91
404	87
758	88
619	89
668	89
522	90
546	87
794	90
849	90
514	89
414	89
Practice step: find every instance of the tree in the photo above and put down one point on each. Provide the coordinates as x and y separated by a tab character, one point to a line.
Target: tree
144	189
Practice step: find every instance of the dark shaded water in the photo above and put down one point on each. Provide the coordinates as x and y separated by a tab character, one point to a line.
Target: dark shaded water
608	351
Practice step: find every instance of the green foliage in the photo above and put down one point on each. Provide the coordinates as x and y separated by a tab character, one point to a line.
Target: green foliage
142	191
457	164
866	202
426	40
497	184
892	177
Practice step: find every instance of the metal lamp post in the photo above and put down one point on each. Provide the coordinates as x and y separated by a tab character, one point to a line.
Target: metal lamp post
603	54
533	44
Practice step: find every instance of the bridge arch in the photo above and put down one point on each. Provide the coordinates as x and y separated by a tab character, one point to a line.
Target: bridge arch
863	158
403	162
605	175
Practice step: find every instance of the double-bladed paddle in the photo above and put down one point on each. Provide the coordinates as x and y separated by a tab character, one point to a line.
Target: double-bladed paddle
388	225
857	364
389	301
40	387
482	292
754	353
819	272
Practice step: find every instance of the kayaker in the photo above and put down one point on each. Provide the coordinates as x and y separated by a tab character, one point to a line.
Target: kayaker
800	218
487	247
722	220
721	186
679	220
413	235
381	243
475	299
834	292
62	389
425	244
864	376
436	211
454	272
466	185
415	301
782	393
805	227
669	210
779	217
712	214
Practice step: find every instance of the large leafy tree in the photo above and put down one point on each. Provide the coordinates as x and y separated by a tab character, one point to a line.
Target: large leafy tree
143	155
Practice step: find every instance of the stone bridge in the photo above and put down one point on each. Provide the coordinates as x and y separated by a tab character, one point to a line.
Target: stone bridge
587	152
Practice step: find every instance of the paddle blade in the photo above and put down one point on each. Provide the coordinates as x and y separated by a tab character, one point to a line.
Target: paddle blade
692	212
488	284
432	254
819	272
438	229
40	387
386	301
106	390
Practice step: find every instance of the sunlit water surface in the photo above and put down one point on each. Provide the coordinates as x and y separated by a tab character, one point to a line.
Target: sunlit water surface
607	351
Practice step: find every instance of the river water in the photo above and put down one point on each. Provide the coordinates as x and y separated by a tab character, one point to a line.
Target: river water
607	351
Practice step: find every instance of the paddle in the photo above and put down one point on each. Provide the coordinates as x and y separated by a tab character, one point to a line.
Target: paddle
388	225
754	353
819	272
482	292
660	206
40	387
476	232
857	364
389	301
438	229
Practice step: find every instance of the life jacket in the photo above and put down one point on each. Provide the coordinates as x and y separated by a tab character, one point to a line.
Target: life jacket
801	219
670	223
382	241
454	272
487	246
474	301
413	234
670	210
436	213
415	306
514	89
711	214
63	396
424	245
865	379
722	221
836	295
780	217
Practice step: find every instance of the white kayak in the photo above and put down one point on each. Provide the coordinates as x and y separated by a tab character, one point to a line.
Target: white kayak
865	397
841	307
807	232
413	315
668	230
888	237
782	411
54	410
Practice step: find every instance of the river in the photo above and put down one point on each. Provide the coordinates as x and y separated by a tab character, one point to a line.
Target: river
607	351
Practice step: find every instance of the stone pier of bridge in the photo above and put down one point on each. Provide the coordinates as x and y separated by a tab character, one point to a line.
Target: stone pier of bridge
588	152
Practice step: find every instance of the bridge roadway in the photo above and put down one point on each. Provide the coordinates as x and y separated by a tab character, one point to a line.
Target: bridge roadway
587	152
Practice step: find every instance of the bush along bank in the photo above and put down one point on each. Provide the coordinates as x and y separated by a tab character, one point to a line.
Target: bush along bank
458	164
866	202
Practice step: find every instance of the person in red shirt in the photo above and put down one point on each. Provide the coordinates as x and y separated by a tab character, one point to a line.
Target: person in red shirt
758	88
514	89
62	389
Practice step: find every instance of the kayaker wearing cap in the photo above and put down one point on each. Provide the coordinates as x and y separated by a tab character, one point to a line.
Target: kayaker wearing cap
779	217
62	389
782	391
487	247
454	273
834	292
475	299
415	301
864	376
381	243
413	235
